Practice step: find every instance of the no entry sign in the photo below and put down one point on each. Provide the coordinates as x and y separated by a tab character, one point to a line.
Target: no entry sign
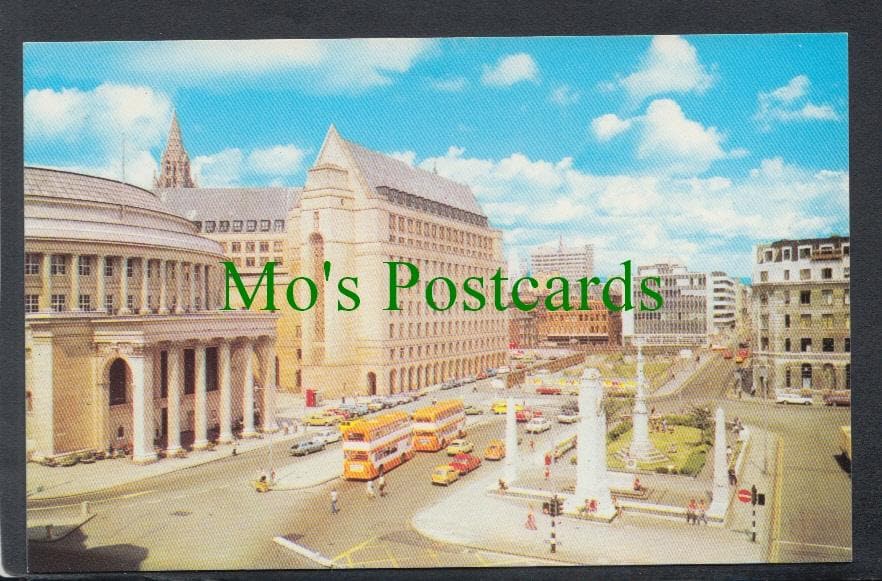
744	495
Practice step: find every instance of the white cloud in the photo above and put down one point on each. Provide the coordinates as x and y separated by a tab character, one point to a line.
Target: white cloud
219	170
670	65
326	65
451	85
608	126
278	160
408	157
790	103
511	69
564	95
670	140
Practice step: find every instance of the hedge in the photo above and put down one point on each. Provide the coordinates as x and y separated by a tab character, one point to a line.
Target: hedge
695	461
615	433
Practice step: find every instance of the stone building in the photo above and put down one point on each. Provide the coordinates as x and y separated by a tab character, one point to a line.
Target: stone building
802	315
571	263
360	209
124	345
522	331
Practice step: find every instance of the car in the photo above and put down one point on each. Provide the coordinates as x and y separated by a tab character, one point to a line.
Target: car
328	435
538	425
469	379
495	450
519	366
543	372
793	398
568	417
322	420
465	463
460	446
500	407
423	392
449	384
355	409
444	475
375	405
525	415
471	410
718	347
838	399
548	390
342	412
503	369
307	447
391	402
727	354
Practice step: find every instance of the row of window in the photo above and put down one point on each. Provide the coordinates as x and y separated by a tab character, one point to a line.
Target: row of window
446	348
403	230
805	297
58	266
805	252
828	345
806	374
209	226
451	328
58	303
250	246
806	274
252	261
828	321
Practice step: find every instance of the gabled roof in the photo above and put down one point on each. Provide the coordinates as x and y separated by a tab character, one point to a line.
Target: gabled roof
380	170
199	204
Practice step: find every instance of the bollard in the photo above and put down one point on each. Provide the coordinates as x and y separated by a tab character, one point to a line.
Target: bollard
48	532
85	508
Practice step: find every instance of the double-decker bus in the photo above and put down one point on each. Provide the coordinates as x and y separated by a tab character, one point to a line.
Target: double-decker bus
437	425
377	445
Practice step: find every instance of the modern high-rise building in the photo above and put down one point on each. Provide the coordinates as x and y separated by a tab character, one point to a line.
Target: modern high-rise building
724	302
571	263
802	315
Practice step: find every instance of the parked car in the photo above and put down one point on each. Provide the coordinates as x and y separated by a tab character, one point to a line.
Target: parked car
500	407
355	409
460	446
568	417
376	405
471	410
307	447
538	425
444	475
328	435
838	399
727	354
322	420
342	412
495	450
548	390
503	369
793	398
525	415
391	402
449	384
465	463
469	379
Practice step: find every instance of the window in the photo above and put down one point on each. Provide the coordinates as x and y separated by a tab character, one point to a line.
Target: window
264	225
209	226
787	297
58	302
85	302
130	302
828	321
108	303
249	247
249	261
130	268
32	303
264	246
211	383
786	321
805	345
108	266
278	260
787	344
277	246
237	261
278	226
198	226
84	266
236	247
827	345
805	252
32	263
845	249
827	297
846	298
58	264
787	377
765	343
764	276
805	274
224	226
237	225
826	273
787	274
251	225
805	297
846	272
847	345
786	253
805	321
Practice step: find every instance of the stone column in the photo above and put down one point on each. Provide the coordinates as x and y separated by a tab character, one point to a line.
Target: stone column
226	391
46	279
248	390
206	288
74	304
124	286
142	402
179	284
143	307
99	283
511	443
42	393
175	387
268	359
201	400
163	290
641	448
720	495
591	477
191	305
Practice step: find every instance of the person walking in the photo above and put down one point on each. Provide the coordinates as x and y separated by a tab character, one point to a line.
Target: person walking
702	513
370	489
531	519
691	512
547	472
733	479
334	509
381	484
532	445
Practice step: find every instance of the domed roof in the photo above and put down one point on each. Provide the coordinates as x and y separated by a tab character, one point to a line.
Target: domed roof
62	205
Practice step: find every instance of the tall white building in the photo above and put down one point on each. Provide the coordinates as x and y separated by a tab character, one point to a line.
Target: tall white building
572	263
724	301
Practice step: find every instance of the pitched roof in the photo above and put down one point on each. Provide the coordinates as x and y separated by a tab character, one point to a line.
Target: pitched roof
201	204
380	170
67	185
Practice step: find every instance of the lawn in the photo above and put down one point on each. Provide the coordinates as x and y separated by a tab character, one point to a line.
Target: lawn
656	369
688	458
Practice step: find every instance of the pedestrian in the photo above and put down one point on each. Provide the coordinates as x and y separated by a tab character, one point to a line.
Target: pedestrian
702	513
733	479
370	489
691	512
334	509
532	445
617	506
381	484
729	453
531	519
547	472
235	447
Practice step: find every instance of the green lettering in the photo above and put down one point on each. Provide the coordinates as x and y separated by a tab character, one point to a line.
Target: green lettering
233	274
476	293
414	274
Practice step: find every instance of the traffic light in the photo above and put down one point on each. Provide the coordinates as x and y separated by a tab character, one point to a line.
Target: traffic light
753	495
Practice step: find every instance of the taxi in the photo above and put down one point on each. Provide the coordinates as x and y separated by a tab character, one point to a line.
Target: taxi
465	463
322	420
444	475
495	450
460	446
500	407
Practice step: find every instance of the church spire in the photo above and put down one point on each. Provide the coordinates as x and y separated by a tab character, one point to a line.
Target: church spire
174	170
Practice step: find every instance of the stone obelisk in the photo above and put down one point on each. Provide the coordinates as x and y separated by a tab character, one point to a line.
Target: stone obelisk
641	448
720	495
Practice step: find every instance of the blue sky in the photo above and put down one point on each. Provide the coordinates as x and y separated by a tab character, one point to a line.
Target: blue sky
693	148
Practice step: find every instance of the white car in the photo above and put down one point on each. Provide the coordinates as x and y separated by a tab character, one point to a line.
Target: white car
793	398
503	369
538	425
568	418
328	435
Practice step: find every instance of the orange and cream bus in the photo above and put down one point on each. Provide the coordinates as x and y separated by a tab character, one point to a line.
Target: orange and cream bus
377	445
437	425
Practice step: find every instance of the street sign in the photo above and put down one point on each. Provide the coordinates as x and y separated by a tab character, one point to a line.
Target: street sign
744	495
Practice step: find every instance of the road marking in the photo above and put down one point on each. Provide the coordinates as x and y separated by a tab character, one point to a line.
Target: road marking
816	546
348	552
123	497
303	551
391	556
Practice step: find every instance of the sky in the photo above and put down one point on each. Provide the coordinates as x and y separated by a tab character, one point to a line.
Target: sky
692	148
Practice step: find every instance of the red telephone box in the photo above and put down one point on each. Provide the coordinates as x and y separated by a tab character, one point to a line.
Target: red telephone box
311	398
